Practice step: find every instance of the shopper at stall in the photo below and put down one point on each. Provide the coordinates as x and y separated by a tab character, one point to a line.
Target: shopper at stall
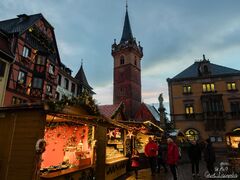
172	157
161	158
209	156
135	162
194	153
151	151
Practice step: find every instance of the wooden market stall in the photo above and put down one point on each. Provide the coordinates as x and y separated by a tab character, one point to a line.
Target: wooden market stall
52	141
233	143
115	157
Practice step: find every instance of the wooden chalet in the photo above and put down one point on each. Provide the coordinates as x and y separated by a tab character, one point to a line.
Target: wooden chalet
55	141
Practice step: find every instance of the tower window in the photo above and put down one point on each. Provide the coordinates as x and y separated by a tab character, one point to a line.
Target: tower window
135	61
122	60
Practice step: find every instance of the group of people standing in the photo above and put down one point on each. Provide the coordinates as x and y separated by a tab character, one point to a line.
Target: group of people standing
159	156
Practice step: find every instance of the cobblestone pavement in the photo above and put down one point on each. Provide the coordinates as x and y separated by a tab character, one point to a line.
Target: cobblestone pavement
184	173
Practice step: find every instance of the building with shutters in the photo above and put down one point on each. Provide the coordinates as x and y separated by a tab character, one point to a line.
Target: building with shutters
205	101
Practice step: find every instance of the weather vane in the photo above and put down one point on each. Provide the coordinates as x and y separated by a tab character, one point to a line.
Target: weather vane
126	4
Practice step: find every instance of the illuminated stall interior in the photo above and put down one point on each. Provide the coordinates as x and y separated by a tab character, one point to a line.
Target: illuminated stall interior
69	142
115	149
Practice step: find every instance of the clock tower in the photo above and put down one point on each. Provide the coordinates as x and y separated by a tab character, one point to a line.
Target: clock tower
127	56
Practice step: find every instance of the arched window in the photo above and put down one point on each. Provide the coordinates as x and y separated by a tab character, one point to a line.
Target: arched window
192	134
122	60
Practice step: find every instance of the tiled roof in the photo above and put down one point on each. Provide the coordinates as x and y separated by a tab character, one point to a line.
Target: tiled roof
20	24
153	111
108	110
215	70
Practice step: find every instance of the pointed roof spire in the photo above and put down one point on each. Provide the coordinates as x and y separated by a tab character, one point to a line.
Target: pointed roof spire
80	76
127	32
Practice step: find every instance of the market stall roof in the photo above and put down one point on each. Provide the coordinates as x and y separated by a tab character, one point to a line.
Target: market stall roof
233	133
150	127
176	132
83	119
66	116
114	111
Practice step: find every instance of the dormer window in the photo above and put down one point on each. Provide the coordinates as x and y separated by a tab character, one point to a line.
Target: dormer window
122	60
205	69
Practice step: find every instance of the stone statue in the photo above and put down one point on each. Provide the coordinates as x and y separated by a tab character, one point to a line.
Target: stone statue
160	99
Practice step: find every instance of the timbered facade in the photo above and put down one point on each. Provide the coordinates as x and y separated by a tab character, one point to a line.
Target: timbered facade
6	58
205	101
33	75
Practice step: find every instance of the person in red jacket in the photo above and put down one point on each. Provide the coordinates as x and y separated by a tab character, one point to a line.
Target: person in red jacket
151	151
172	157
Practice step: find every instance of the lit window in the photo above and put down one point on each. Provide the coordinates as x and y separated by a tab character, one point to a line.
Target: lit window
41	60
231	86
26	52
22	76
209	87
192	134
187	89
51	69
189	109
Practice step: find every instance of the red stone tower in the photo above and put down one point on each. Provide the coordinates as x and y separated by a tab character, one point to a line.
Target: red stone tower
127	70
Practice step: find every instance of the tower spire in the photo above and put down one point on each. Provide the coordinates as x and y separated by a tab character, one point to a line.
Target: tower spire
127	31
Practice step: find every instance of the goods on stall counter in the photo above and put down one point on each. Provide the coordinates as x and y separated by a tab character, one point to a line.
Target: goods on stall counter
40	146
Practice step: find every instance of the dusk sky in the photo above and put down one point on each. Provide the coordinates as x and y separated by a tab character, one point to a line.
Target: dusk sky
173	33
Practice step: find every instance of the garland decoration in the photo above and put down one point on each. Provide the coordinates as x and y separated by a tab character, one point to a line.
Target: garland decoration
84	100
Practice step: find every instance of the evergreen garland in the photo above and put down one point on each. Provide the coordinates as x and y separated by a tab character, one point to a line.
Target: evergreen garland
84	100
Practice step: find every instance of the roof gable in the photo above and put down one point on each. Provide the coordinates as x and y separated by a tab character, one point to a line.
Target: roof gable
20	24
194	71
147	112
114	111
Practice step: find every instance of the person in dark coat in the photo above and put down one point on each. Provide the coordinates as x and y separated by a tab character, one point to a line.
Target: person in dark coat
161	158
209	156
194	153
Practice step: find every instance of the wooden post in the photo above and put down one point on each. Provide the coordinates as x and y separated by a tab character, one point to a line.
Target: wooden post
101	144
